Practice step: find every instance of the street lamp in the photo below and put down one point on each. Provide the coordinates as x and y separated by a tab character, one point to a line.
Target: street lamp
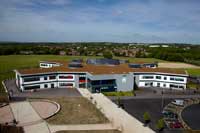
162	100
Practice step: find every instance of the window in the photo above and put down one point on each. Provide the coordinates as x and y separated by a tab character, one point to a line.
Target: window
45	78
66	84
52	77
148	84
52	85
158	84
66	77
176	79
164	85
44	64
147	77
179	79
31	79
158	77
124	79
165	78
173	86
31	87
45	86
96	82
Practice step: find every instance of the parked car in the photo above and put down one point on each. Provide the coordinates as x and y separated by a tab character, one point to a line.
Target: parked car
178	102
170	115
175	124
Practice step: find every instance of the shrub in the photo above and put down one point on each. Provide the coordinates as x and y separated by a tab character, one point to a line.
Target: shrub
10	129
160	124
121	93
4	98
146	117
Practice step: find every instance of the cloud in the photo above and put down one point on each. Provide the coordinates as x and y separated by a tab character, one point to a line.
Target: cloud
86	20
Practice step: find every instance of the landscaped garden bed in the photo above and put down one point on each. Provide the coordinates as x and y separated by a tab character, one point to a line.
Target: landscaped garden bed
76	110
93	131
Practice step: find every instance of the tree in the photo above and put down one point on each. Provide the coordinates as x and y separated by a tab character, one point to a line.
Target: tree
160	124
146	117
107	55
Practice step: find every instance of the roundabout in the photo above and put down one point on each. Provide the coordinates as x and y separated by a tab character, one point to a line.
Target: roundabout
191	116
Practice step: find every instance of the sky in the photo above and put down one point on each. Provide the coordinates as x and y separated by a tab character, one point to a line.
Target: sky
149	21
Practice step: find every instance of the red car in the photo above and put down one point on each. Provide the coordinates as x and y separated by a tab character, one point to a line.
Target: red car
176	124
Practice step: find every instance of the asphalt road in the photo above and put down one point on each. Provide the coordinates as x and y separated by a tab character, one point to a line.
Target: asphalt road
191	116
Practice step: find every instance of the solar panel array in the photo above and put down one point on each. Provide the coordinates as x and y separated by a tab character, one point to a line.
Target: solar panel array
75	63
149	65
103	61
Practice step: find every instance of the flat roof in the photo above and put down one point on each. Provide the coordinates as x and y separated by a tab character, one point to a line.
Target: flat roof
100	69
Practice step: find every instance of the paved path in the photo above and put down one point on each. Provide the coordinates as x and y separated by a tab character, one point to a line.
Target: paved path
27	117
108	126
119	118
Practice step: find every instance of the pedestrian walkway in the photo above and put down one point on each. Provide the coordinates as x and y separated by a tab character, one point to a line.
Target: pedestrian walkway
119	118
28	118
79	127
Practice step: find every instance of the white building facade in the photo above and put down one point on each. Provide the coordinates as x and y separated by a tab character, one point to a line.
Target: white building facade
161	80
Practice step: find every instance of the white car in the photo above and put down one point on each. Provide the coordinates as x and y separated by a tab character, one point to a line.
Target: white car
178	102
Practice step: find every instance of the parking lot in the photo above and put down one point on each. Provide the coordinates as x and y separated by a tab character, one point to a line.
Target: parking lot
137	107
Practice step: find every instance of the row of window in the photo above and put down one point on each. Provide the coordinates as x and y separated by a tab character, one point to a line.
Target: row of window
31	87
66	84
66	77
150	84
176	86
44	64
46	86
102	82
31	79
152	77
164	78
51	77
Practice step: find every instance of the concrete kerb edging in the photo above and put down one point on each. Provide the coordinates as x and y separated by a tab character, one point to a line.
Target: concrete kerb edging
4	86
53	102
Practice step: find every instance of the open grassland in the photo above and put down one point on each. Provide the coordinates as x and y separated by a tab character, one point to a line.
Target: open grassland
77	110
193	71
93	131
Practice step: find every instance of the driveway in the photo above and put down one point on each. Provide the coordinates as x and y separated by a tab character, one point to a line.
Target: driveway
46	93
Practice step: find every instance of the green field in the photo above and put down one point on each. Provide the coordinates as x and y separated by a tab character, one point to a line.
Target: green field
193	71
9	63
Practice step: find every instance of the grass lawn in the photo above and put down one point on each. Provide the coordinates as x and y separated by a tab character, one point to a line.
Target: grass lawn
102	131
193	71
11	62
77	110
120	93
